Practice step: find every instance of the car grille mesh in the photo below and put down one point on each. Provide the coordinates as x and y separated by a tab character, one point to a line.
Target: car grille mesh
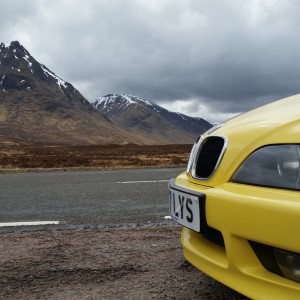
209	156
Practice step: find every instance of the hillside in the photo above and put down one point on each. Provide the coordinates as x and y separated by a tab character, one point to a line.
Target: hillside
38	107
149	121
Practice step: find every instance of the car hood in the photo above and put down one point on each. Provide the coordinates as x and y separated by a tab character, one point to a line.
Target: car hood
283	113
275	123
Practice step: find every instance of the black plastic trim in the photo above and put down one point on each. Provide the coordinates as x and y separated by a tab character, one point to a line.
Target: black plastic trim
204	228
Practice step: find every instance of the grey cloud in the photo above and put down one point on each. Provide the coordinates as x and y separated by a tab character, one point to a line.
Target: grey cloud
231	55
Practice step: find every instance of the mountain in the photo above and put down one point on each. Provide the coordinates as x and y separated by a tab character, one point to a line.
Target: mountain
147	120
38	107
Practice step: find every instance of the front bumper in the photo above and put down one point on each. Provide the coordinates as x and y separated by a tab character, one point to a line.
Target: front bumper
242	215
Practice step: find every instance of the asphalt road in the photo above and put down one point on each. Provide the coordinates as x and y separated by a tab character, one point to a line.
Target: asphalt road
101	198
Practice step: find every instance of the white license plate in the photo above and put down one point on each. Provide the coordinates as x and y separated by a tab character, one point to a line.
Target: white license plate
185	209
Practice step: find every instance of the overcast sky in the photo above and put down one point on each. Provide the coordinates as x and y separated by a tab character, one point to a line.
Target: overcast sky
206	58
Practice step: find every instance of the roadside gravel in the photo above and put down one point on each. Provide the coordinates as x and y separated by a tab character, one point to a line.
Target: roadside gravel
134	263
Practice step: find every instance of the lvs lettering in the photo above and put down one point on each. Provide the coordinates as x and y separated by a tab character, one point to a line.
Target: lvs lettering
181	202
184	202
174	206
187	203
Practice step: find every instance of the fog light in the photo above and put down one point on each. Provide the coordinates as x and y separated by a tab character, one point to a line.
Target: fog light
289	264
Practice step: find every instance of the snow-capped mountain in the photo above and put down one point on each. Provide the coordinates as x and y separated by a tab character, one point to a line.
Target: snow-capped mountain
117	102
146	119
37	106
16	64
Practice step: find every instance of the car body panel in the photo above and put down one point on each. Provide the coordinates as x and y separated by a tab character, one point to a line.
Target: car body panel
237	266
249	278
245	213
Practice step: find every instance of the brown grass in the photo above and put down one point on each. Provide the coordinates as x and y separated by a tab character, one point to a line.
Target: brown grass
108	156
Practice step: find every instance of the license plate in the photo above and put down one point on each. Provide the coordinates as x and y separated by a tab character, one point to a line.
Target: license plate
185	209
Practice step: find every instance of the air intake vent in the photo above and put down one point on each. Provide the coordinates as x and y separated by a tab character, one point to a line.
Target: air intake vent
209	156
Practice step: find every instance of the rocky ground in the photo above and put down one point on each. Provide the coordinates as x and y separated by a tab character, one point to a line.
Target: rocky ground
120	263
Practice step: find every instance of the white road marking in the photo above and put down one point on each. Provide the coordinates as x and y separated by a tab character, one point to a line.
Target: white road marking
143	181
35	223
167	218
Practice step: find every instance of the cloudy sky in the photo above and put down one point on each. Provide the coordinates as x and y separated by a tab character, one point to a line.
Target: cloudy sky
206	58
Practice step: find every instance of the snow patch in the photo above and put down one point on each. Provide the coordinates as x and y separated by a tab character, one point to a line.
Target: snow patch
2	80
182	116
26	57
109	102
149	103
59	81
129	100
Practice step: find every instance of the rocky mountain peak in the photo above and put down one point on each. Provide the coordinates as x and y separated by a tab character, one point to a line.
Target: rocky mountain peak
18	69
113	103
143	117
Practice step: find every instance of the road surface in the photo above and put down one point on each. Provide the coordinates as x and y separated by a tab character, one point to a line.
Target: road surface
101	198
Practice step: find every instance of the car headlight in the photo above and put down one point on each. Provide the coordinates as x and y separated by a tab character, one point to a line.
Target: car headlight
272	166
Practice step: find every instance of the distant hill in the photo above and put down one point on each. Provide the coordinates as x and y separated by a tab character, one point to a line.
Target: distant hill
38	107
149	121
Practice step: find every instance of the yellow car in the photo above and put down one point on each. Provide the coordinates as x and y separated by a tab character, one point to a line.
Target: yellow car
239	202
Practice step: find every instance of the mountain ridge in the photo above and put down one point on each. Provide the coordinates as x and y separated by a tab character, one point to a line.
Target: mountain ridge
145	118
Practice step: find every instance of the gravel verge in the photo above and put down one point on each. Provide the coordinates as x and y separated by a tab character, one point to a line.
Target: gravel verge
134	263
